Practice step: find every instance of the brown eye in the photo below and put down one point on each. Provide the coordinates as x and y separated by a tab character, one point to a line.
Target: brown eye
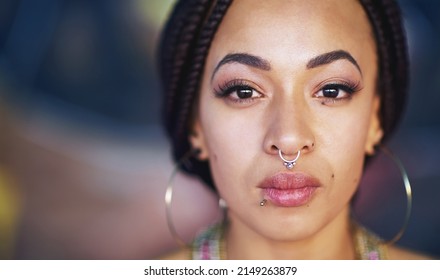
244	92
238	92
330	92
336	91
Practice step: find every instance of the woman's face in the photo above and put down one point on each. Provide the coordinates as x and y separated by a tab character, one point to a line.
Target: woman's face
289	75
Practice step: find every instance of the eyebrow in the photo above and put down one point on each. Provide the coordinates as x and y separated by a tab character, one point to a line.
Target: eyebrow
329	57
263	64
243	58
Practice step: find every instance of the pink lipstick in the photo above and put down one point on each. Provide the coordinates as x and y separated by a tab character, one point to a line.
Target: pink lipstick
289	189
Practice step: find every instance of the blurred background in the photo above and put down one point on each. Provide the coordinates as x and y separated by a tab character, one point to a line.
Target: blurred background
84	162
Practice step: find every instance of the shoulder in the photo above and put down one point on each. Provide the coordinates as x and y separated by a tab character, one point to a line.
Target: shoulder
181	254
398	253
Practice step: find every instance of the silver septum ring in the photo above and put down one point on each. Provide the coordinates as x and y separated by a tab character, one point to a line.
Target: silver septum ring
289	164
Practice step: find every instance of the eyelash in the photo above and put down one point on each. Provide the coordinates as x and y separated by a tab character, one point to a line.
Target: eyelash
227	89
348	87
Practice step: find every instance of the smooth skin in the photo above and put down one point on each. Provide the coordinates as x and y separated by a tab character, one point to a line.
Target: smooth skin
263	90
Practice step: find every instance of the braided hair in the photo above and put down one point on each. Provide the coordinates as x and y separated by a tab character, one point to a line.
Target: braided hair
185	43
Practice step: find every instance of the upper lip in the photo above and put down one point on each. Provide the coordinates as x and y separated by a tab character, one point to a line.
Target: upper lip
295	180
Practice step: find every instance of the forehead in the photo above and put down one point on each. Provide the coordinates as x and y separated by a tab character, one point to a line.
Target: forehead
288	31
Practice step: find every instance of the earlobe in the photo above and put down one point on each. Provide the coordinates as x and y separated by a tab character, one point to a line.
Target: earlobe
197	140
375	132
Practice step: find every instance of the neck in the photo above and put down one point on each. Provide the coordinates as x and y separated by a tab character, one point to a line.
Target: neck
333	241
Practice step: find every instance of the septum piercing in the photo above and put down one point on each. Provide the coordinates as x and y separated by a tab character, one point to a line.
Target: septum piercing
289	164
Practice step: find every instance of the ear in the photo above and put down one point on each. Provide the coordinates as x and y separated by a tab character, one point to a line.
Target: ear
375	132
197	140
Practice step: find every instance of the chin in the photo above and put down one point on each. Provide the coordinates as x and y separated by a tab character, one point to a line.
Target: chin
288	229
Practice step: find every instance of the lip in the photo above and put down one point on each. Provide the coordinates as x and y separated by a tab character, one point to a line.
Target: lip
289	189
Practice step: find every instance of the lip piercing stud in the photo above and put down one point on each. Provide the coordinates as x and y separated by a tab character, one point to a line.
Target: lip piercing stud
289	164
263	202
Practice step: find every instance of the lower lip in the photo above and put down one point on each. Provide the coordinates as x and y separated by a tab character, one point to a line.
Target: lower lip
289	197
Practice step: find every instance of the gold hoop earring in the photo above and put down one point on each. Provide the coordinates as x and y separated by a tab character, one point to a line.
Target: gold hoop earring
408	191
169	197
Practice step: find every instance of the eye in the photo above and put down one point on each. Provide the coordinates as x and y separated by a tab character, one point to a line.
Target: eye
243	92
336	92
237	91
330	92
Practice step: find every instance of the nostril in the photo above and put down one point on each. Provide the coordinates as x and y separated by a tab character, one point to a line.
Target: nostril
309	147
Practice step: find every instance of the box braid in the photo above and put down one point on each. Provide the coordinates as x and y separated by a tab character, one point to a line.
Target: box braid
183	50
393	77
184	47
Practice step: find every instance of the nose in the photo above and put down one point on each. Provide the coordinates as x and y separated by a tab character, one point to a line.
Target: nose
289	129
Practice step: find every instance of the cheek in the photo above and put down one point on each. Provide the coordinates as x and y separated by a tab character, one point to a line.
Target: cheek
233	143
344	148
